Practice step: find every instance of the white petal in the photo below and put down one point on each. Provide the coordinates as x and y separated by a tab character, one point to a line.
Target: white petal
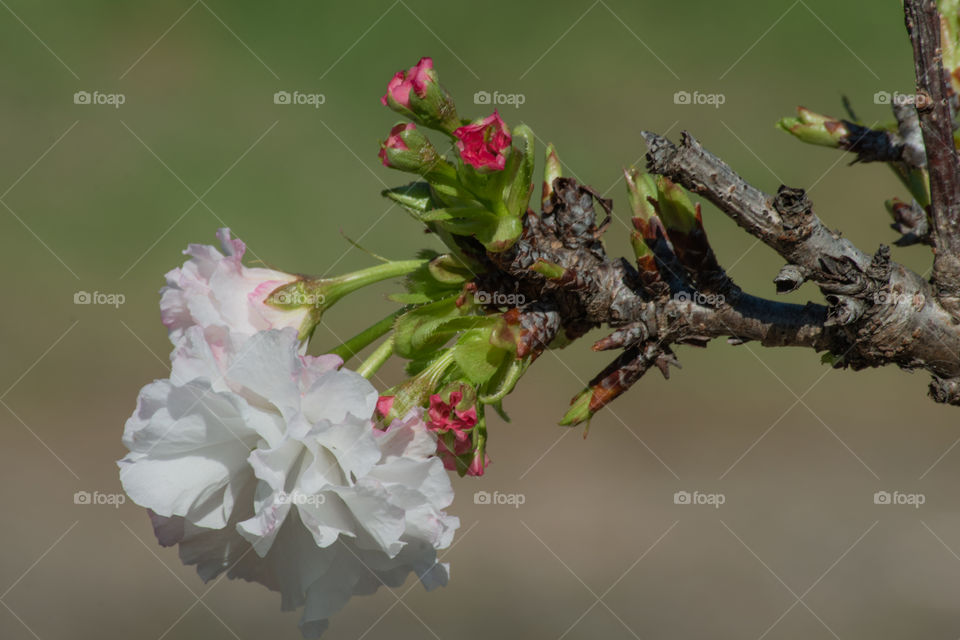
382	521
261	530
268	365
338	393
187	445
328	520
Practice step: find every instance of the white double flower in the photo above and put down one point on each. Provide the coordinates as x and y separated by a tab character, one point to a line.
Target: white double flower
246	423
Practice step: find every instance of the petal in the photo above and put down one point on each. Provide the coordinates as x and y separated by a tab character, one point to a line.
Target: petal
188	449
263	527
383	521
268	366
338	393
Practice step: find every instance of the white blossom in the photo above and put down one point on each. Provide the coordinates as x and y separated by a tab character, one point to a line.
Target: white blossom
266	464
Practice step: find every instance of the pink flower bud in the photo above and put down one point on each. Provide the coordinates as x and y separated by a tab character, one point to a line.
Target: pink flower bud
478	464
416	94
407	149
482	144
417	78
384	404
394	141
420	76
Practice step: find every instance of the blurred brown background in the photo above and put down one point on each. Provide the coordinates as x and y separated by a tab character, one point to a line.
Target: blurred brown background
103	199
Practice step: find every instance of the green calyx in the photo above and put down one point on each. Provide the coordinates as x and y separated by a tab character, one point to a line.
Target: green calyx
319	294
487	205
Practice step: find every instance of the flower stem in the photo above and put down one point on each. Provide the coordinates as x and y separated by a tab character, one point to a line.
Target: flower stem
357	343
335	288
376	359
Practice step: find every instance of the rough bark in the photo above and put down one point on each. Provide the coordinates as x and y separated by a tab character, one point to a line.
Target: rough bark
936	123
877	311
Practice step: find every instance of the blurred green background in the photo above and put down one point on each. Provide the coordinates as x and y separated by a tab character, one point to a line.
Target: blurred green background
104	199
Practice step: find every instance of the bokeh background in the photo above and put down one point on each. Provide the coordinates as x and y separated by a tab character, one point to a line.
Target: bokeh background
103	199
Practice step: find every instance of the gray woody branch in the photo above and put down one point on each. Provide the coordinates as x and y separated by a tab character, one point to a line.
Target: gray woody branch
877	311
936	123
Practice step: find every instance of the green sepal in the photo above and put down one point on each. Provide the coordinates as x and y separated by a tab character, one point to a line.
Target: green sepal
416	332
503	383
416	197
518	174
449	269
477	358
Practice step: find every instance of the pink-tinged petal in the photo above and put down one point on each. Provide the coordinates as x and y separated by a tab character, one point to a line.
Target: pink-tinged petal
399	89
477	466
394	142
384	404
445	417
233	247
214	291
420	76
483	144
467	419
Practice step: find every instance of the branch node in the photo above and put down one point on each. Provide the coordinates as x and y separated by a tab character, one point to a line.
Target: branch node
945	391
790	278
843	310
794	207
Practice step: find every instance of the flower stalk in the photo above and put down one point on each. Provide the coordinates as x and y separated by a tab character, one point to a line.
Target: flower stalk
376	359
319	294
368	336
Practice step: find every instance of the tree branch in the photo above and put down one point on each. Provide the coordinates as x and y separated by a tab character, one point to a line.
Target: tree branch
889	313
878	312
936	123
